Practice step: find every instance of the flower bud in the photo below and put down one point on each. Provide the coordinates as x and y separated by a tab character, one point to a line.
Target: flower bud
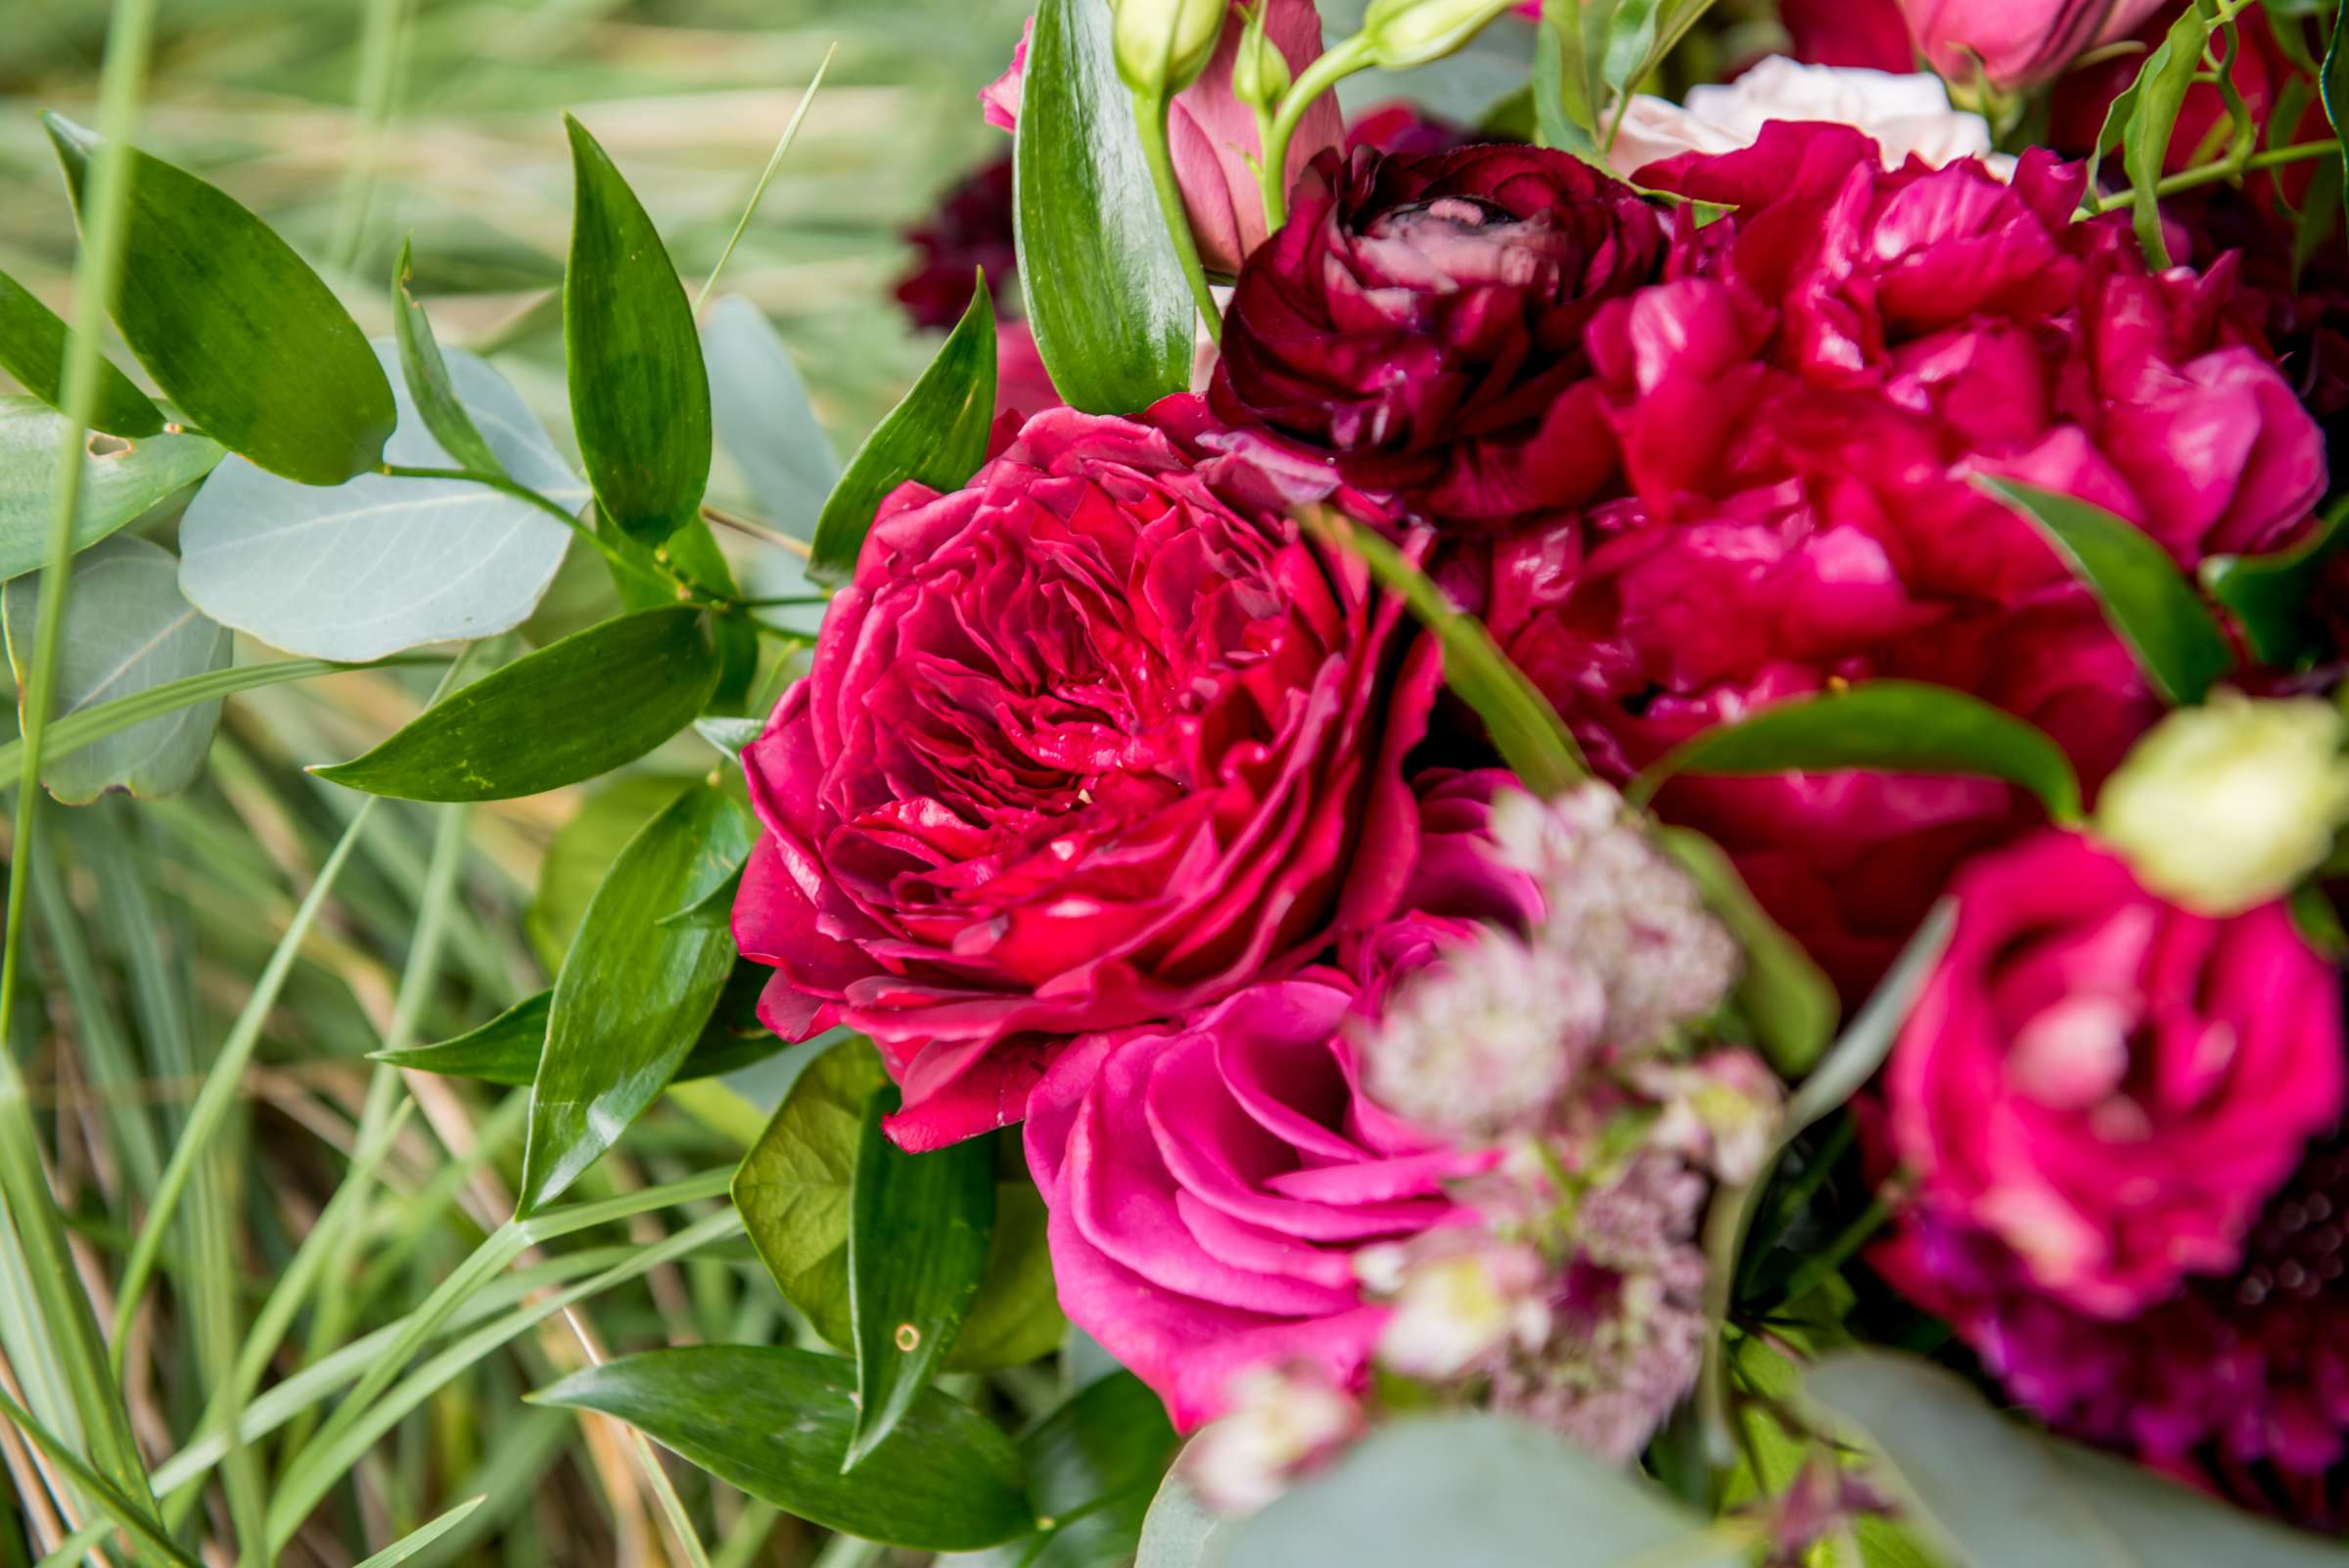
1160	46
1259	72
1401	33
2225	806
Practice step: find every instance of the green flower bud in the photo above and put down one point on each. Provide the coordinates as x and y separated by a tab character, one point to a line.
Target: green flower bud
2227	806
1160	46
1402	33
1259	72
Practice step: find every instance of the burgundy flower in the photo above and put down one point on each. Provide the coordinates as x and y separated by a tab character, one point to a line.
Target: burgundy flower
2122	1122
1402	126
1422	318
971	229
1095	740
1867	33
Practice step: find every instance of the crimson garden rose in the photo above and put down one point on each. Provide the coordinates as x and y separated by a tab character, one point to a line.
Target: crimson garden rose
1421	317
1096	739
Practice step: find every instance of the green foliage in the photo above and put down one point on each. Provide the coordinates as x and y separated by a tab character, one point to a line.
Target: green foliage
622	689
1783	996
120	480
1094	1466
2274	597
426	375
1105	292
2153	102
32	348
236	329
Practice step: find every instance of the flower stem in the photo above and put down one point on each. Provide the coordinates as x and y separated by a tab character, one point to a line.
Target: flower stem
2223	169
521	493
1326	72
1150	118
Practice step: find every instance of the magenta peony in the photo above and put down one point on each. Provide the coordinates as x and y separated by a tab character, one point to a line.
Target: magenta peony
1799	418
1421	317
2017	43
1096	740
2123	1123
1212	134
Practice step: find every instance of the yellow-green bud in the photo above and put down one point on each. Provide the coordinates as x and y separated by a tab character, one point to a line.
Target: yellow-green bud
1402	33
1259	72
1160	46
2227	806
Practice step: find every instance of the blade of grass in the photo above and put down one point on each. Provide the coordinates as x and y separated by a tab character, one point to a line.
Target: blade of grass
105	1051
82	1543
416	1540
379	73
71	1322
774	161
135	1522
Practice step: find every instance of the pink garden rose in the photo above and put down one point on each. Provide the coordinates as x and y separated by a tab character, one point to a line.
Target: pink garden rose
1212	134
2017	43
1095	740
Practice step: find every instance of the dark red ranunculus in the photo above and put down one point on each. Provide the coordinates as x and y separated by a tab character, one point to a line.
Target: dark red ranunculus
1421	317
971	229
1093	741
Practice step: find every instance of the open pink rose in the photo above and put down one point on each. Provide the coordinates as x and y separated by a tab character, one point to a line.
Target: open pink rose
1096	740
1212	134
2109	1085
2017	43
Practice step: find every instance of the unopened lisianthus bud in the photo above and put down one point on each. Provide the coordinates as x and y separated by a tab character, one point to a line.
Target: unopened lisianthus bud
1259	72
2225	806
1402	33
1282	1422
1160	46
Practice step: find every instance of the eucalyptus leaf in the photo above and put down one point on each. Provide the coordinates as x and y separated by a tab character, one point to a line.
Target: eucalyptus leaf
1999	1495
1478	1489
1781	992
365	569
32	348
1180	1531
2274	596
633	996
235	328
764	419
639	396
729	735
125	631
1105	293
425	375
937	436
121	480
1896	726
775	1423
2149	601
621	688
919	1226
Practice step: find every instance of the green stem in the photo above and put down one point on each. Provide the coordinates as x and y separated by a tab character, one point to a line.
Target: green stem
1837	1253
2223	169
521	493
1150	118
1331	68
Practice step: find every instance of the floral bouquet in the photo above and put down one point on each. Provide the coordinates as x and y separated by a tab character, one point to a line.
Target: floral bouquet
1605	837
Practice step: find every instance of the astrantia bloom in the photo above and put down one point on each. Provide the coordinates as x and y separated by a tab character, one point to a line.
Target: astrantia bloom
1421	318
1098	739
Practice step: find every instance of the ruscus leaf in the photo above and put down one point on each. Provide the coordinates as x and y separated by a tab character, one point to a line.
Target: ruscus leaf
32	348
622	688
2155	98
425	374
1094	1465
235	328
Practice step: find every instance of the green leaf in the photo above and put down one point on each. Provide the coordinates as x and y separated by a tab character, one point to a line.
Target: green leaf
1630	38
235	328
1474	1489
1894	727
2274	596
121	480
425	374
1094	1465
381	563
764	418
416	1540
1113	317
1999	1495
1790	1004
2145	597
2154	100
2333	89
1526	731
919	1227
32	348
633	994
937	436
506	1050
581	855
793	1192
621	688
729	735
125	631
639	396
1180	1531
776	1423
1562	95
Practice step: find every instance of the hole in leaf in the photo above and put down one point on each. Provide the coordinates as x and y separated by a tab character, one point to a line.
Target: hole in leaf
101	444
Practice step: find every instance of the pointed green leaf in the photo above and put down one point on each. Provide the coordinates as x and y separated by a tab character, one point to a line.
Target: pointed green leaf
2334	89
121	480
1890	726
2147	600
583	852
32	348
776	1422
2274	596
937	436
639	396
2154	100
919	1226
127	630
426	374
415	1541
1094	1465
1106	297
622	687
633	996
1781	993
235	328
